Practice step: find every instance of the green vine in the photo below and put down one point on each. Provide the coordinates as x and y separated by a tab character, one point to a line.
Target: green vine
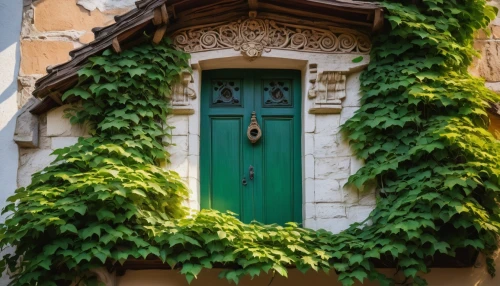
422	130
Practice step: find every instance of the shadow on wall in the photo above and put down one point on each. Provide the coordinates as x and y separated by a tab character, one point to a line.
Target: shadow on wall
10	31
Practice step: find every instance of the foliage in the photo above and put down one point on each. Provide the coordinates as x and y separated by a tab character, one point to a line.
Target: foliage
421	130
88	205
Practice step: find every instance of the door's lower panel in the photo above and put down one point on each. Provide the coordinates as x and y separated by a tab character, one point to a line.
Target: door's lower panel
226	164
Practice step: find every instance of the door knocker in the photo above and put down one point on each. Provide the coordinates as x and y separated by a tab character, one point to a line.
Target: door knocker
253	132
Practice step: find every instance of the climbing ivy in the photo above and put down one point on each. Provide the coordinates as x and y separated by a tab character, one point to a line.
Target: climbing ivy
421	129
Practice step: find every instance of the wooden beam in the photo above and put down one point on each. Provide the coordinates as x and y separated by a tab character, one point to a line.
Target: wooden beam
164	14
56	96
116	45
157	18
159	33
253	4
378	20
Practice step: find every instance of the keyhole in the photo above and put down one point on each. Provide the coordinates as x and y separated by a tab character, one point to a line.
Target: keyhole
254	132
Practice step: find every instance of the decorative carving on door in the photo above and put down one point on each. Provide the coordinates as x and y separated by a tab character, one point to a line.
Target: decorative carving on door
182	93
277	93
253	36
226	92
328	89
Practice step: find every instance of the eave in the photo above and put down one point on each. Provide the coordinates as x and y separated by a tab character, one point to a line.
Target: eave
363	16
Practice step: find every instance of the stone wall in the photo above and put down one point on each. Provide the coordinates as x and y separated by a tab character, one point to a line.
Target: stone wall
51	28
487	66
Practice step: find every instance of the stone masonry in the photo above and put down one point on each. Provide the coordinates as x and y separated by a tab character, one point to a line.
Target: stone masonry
51	28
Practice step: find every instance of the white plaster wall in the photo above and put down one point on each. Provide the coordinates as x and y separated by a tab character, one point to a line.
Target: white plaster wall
10	29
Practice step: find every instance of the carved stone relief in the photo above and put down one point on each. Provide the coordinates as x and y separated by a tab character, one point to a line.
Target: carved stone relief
182	94
328	89
253	36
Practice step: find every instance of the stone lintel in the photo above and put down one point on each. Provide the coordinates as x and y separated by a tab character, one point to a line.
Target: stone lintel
182	111
332	109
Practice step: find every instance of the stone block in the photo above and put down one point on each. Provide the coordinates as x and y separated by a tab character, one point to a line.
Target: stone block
347	113
333	225
309	211
194	144
86	38
350	194
356	164
487	66
309	121
309	190
310	223
494	86
327	124
179	155
327	191
62	142
330	145
58	126
358	213
180	122
37	55
353	90
367	198
330	210
25	89
495	32
194	187
332	168
26	132
308	144
309	166
194	166
107	5
30	162
57	15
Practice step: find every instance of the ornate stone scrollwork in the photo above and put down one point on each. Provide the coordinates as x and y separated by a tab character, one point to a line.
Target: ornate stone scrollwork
182	94
253	36
329	89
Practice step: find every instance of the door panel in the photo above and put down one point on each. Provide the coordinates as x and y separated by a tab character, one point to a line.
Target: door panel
277	169
228	99
226	164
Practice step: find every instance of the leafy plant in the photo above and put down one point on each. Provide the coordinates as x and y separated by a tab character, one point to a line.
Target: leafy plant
422	130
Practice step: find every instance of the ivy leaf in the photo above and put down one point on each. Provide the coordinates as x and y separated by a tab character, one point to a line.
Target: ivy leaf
68	227
83	94
357	59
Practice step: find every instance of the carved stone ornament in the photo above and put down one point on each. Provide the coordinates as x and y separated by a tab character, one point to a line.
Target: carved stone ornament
253	36
328	90
182	94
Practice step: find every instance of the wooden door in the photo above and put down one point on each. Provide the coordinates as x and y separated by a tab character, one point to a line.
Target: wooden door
228	98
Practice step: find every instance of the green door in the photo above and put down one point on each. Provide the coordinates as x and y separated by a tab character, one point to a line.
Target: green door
273	194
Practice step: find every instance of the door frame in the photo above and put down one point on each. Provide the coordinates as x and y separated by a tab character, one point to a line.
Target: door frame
252	199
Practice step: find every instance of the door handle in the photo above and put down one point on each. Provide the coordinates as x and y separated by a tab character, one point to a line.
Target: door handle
253	132
251	172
